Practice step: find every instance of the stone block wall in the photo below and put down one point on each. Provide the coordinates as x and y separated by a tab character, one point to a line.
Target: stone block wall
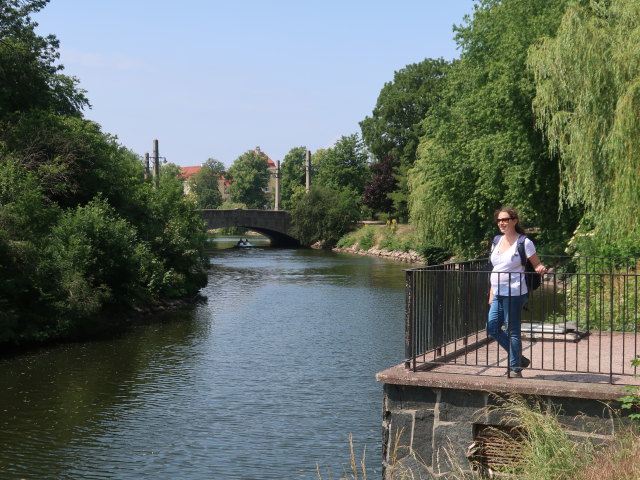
428	431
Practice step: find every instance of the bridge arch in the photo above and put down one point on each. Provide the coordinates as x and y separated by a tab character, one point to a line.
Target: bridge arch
275	225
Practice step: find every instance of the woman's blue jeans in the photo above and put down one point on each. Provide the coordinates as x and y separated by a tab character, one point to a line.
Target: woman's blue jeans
507	311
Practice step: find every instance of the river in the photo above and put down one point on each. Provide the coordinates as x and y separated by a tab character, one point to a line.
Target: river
264	380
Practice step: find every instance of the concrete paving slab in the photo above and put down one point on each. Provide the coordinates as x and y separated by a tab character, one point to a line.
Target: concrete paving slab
598	367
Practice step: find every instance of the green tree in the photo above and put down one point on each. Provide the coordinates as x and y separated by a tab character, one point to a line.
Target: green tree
343	166
324	214
249	177
29	78
392	131
392	128
480	148
25	218
204	184
588	104
293	176
81	230
175	233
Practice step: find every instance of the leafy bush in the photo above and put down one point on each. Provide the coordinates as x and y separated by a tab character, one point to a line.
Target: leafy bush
98	259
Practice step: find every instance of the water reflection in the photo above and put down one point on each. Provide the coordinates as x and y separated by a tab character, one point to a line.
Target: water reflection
263	380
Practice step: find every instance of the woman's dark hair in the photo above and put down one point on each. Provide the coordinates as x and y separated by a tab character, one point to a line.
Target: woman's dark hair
513	213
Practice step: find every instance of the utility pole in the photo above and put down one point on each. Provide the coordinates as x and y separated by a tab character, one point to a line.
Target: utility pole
276	204
156	164
146	165
307	164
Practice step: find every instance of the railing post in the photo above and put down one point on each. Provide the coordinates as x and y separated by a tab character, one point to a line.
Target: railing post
438	310
408	326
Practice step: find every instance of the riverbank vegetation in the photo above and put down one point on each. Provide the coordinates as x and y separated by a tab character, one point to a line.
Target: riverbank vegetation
538	114
83	233
393	237
548	452
541	449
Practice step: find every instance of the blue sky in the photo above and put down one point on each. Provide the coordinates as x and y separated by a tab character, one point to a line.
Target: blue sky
212	78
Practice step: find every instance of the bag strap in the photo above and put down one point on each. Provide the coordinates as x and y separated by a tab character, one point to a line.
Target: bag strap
495	241
521	252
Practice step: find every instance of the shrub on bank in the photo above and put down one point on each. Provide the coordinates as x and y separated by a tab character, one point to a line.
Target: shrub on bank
367	239
394	237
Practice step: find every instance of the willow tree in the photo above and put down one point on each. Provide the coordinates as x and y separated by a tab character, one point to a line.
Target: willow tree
588	104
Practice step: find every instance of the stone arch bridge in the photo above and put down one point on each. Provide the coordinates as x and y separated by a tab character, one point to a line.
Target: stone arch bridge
275	225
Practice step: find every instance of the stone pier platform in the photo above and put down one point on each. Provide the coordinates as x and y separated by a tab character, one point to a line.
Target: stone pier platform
434	420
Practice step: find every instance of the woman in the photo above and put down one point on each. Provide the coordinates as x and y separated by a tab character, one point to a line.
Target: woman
508	292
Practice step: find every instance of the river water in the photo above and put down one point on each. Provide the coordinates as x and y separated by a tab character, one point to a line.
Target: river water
264	380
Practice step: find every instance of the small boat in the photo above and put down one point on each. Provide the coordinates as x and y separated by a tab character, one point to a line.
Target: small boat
245	244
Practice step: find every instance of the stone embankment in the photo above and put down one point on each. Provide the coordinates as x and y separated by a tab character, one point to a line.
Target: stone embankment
408	257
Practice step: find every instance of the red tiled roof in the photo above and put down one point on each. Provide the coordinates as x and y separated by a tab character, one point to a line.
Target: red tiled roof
189	171
271	164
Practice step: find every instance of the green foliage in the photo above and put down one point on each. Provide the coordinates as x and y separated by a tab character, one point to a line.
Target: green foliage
344	166
29	78
367	240
81	231
293	176
587	101
97	258
24	219
324	214
402	104
232	206
549	452
590	245
249	177
479	149
204	184
392	241
392	132
233	231
175	233
347	240
389	238
631	401
433	254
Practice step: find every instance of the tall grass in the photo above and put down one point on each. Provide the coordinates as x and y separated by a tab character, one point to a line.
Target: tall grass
548	452
618	461
358	469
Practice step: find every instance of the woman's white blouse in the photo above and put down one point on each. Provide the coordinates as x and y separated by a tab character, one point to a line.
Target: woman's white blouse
508	269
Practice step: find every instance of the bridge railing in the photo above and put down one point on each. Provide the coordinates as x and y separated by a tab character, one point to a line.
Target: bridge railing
585	317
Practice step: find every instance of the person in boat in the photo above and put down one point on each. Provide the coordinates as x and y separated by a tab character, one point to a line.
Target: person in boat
508	292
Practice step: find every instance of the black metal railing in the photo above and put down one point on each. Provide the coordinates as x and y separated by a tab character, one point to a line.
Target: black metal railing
584	319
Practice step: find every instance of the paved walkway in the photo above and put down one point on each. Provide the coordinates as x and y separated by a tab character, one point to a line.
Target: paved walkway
597	366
